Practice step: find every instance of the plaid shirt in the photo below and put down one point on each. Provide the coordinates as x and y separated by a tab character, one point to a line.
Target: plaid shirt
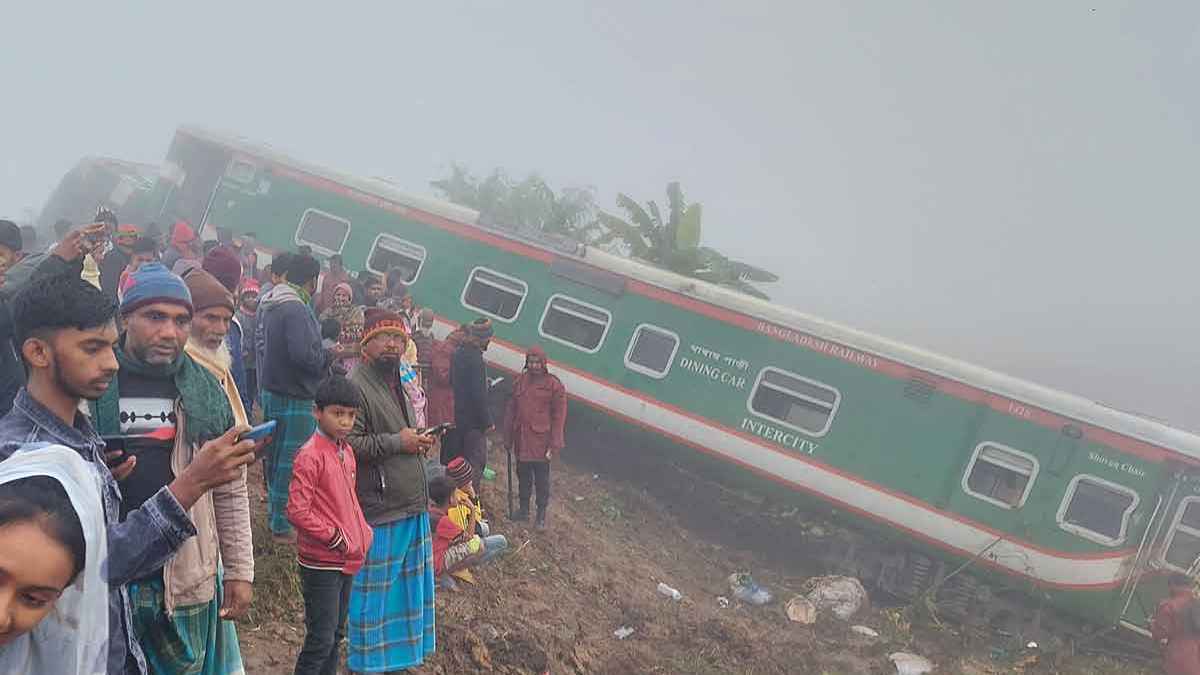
137	547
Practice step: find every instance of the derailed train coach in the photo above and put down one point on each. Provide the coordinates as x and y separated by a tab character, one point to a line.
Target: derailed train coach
116	184
1063	512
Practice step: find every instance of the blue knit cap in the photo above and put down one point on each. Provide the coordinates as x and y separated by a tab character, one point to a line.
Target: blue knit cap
154	283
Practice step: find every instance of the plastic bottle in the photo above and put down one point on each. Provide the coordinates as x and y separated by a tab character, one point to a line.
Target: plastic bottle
669	592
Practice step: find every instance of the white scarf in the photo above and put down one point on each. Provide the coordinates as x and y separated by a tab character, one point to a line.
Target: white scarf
73	638
221	356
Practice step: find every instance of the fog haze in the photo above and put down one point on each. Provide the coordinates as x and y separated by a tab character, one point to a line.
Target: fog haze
1014	184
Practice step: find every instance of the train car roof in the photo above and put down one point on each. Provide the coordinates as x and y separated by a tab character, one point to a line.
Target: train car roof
121	167
1052	400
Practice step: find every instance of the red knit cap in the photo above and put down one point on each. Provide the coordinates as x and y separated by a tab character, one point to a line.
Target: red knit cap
182	233
459	471
223	263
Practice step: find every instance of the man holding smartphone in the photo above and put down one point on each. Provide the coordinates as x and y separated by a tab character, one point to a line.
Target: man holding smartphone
168	406
391	603
66	332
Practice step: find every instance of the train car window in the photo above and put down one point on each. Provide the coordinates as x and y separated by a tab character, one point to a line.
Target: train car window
651	350
1183	543
497	295
1097	510
390	252
797	402
575	323
240	171
1000	475
324	232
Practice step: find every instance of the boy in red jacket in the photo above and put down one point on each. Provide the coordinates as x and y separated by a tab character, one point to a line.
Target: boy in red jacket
332	535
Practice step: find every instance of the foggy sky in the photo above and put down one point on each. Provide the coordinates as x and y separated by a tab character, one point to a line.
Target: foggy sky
1014	184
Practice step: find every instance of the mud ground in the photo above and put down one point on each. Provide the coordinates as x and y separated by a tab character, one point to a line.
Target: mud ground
551	605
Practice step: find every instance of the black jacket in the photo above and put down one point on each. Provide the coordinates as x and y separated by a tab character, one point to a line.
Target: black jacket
110	271
291	360
468	378
12	372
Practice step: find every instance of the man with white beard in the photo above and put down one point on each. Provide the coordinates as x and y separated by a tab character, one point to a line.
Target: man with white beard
206	344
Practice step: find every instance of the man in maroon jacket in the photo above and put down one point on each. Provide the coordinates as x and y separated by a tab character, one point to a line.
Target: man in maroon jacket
533	428
1173	628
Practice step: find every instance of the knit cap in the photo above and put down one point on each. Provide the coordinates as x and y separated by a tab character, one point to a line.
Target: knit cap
223	263
207	291
127	232
376	321
182	233
154	283
459	471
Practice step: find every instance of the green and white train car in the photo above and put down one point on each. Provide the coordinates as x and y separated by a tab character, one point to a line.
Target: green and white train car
122	186
1049	496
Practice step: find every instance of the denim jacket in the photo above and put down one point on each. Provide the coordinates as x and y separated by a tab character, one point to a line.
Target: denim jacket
137	546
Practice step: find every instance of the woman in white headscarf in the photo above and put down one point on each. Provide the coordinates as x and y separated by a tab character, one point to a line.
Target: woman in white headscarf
53	596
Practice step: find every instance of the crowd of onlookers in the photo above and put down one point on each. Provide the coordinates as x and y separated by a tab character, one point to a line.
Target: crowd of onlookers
143	371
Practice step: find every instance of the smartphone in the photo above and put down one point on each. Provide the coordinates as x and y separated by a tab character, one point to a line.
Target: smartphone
259	432
439	430
105	215
99	242
115	444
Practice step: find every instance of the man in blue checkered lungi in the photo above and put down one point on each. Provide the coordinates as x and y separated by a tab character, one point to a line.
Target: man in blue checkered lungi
391	604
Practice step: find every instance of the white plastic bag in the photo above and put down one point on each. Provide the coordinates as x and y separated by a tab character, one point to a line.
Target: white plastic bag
910	664
844	596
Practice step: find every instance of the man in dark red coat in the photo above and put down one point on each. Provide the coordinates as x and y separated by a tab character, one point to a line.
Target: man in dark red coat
1172	628
533	428
440	393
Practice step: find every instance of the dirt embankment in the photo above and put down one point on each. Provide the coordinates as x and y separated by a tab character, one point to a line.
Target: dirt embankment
552	604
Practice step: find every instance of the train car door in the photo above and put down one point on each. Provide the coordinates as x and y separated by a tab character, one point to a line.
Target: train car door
1171	544
195	166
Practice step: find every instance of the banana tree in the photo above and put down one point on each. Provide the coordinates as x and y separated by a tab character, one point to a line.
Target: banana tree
529	203
674	243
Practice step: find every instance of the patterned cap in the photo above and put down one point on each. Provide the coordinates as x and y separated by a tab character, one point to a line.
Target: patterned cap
459	471
376	321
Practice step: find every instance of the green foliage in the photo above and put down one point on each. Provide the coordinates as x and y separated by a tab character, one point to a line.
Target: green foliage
529	203
672	243
675	242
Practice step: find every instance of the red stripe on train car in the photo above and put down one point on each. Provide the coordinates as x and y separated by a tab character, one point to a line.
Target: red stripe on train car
947	386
